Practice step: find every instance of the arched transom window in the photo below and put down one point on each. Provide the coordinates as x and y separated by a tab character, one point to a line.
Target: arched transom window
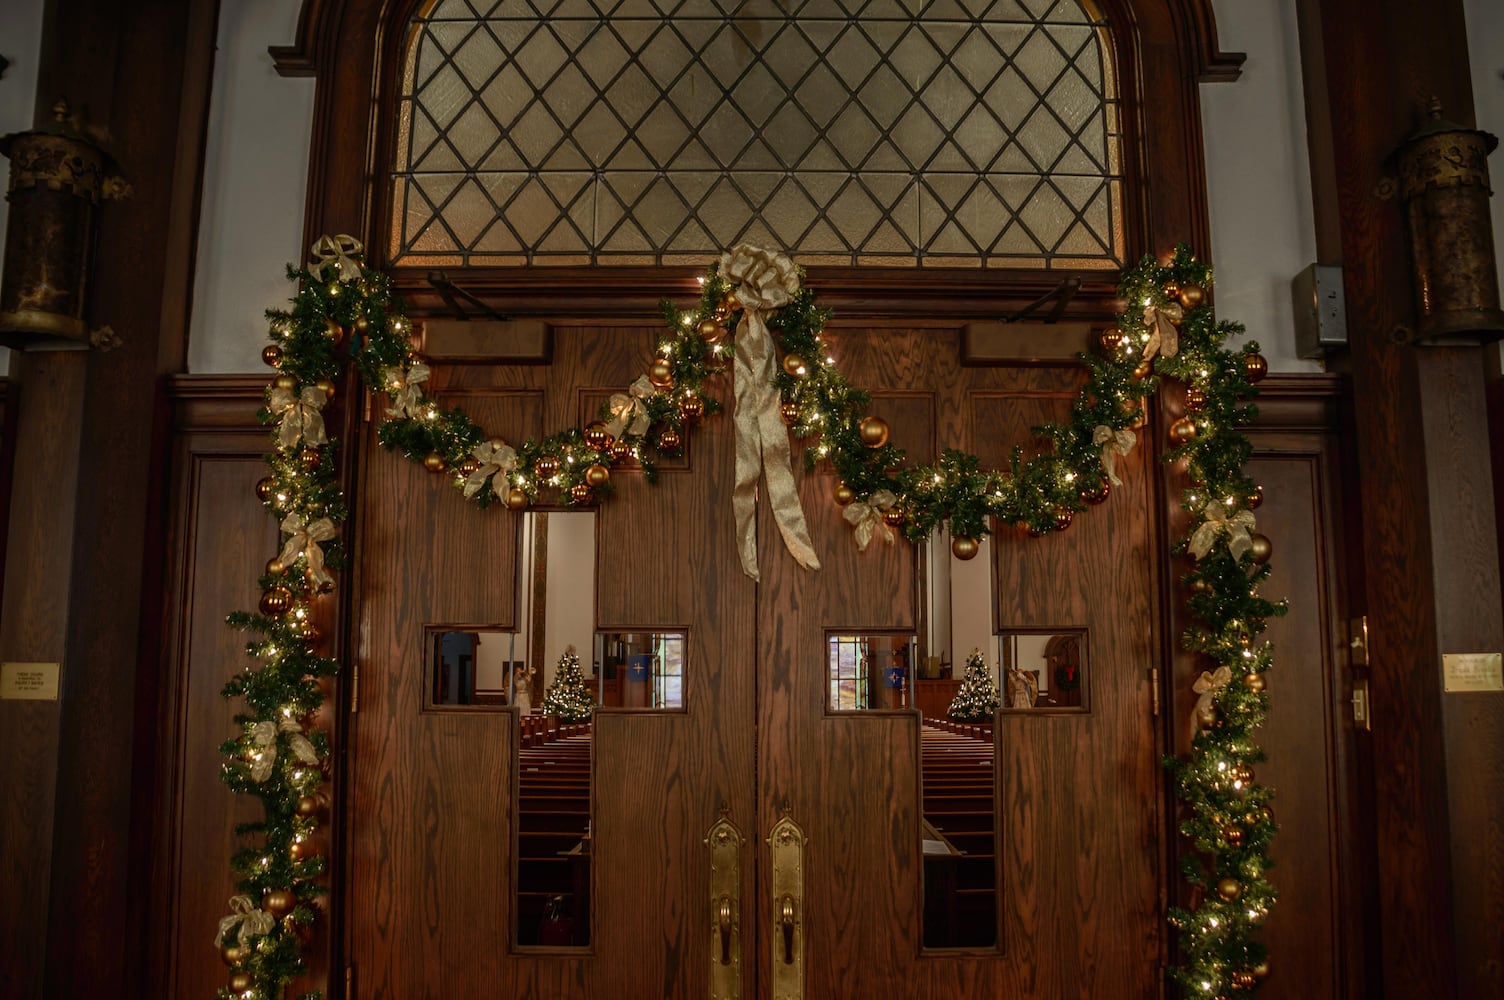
950	133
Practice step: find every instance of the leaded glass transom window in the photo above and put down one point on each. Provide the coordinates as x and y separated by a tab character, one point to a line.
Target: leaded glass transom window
950	133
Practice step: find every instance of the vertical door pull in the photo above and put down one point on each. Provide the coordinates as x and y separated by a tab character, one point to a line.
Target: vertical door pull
723	922
786	921
725	843
787	909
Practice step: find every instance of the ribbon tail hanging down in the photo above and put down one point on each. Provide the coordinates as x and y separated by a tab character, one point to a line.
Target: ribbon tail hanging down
762	448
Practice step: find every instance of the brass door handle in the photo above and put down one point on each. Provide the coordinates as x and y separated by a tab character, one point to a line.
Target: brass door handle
786	923
723	923
786	842
725	843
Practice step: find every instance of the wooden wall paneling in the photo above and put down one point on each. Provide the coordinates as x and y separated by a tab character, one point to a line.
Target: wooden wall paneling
8	401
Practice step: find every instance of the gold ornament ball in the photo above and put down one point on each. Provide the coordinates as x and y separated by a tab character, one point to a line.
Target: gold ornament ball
1097	492
1143	368
240	981
1112	338
794	365
334	331
275	602
1242	980
965	548
1255	367
1255	683
580	493
1062	518
1229	889
1182	430
597	475
1206	717
275	567
1233	835
306	629
547	467
1173	311
661	373
1261	549
790	413
266	489
271	354
299	849
326	387
874	431
309	459
691	407
843	494
893	517
286	383
233	954
434	462
1243	773
596	435
1192	296
711	330
362	324
279	902
516	499
1195	399
308	805
469	467
668	440
621	451
1256	498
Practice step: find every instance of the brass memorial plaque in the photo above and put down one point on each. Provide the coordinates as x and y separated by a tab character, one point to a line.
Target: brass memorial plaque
29	681
1472	671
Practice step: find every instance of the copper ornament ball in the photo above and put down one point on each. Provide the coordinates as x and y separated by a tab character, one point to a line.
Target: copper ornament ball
668	440
965	548
275	602
661	373
271	354
621	451
1195	399
1233	835
516	499
1255	367
334	331
1062	518
266	489
1143	368
794	365
309	459
1256	498
1192	296
434	462
790	413
596	434
1112	338
844	494
299	849
893	517
469	467
580	492
597	475
1255	682
1097	492
1229	889
1242	980
547	466
874	431
691	407
1172	288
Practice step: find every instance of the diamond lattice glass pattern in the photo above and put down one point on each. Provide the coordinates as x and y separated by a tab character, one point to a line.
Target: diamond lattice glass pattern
950	133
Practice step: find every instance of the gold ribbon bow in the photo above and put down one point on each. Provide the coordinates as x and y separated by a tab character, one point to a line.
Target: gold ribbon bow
1164	337
404	388
300	415
343	252
495	462
1207	686
264	746
867	518
1114	443
303	540
1236	526
629	411
252	921
766	280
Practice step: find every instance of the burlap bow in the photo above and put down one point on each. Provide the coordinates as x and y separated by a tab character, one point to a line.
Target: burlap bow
1218	522
1207	686
342	253
1164	336
867	518
405	389
248	921
765	281
303	540
300	415
496	460
1113	443
264	743
629	411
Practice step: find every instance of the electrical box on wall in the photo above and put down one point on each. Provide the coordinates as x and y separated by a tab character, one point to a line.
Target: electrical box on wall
1320	311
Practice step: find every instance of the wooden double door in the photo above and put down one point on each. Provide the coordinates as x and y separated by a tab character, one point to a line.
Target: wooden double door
433	792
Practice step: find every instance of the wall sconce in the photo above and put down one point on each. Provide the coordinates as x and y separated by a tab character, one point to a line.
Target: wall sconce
1443	175
57	177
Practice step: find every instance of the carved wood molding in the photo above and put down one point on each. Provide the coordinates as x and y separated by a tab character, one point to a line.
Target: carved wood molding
1213	65
216	402
316	23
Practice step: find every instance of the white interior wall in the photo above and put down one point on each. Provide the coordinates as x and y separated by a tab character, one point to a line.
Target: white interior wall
255	183
1258	176
970	606
21	43
570	618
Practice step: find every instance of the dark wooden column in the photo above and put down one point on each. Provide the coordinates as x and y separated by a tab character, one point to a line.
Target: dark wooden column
1422	516
84	539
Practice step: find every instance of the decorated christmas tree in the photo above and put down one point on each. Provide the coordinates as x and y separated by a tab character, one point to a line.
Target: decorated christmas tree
976	699
568	697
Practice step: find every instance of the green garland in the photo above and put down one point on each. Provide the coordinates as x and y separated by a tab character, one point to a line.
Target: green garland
345	313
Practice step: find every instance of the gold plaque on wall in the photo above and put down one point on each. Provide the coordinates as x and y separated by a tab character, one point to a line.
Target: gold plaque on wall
29	681
1472	671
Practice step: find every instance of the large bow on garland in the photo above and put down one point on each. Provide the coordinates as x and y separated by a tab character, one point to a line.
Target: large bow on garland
300	415
341	252
496	459
1114	443
629	410
867	518
252	922
1164	338
405	389
303	540
766	280
1218	522
264	746
1207	686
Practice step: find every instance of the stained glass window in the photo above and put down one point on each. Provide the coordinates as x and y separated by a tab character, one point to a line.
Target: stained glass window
940	133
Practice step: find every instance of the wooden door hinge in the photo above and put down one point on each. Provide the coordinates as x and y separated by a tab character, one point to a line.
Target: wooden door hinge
354	687
1154	689
350	981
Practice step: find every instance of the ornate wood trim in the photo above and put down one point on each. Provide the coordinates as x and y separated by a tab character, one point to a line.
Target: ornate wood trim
1213	64
301	57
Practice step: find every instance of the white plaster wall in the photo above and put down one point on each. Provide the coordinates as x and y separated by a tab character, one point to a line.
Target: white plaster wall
21	43
1258	176
1485	43
570	618
970	605
255	182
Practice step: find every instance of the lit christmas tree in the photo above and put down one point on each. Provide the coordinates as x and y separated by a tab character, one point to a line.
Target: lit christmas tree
568	697
976	699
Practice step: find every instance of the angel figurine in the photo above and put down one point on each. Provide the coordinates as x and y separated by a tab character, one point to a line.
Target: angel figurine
522	688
